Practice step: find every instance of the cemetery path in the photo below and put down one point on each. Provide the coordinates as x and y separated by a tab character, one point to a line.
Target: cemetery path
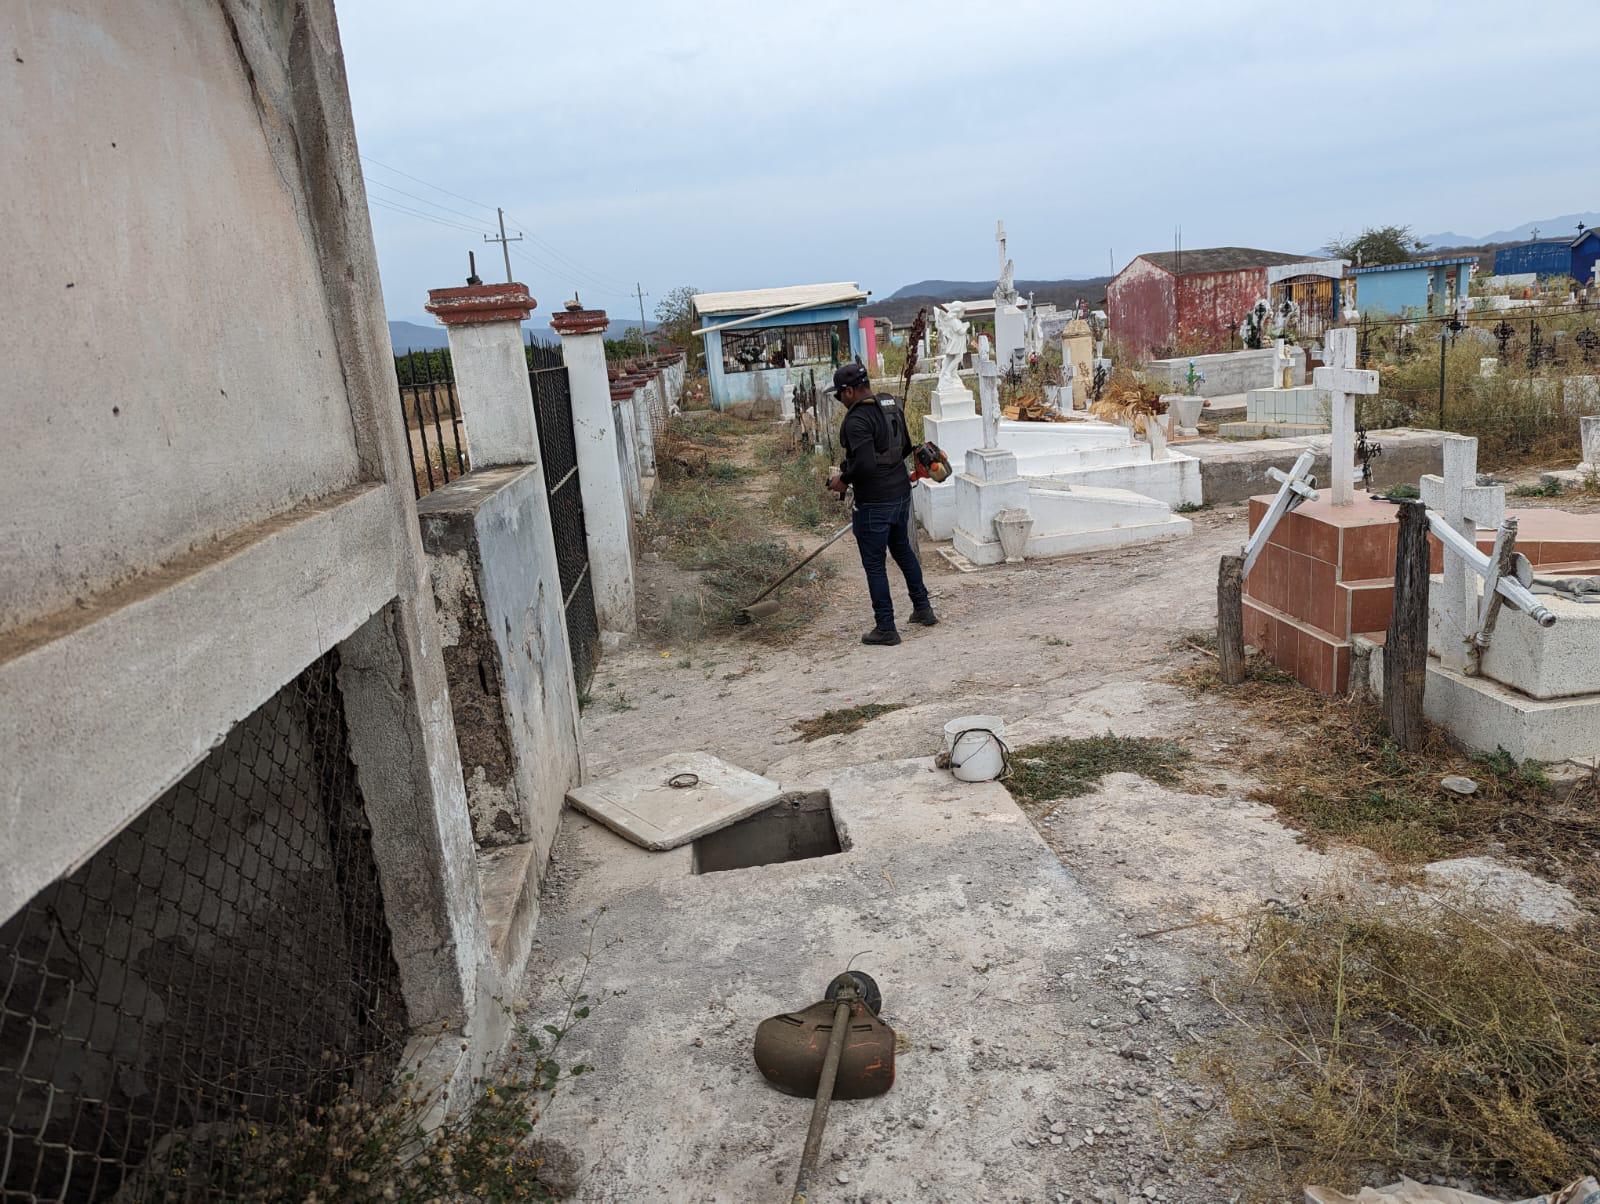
1071	647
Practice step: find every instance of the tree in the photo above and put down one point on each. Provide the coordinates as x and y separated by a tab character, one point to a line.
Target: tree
1377	245
675	313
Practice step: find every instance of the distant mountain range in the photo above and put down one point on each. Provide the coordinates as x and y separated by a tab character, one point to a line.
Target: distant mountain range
415	336
1565	226
902	304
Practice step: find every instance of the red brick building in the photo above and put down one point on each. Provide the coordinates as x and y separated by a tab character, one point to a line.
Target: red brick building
1168	298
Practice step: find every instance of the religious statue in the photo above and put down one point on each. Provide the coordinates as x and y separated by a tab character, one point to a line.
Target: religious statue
953	333
1005	291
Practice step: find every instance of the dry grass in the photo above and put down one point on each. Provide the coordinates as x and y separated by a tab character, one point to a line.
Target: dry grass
1379	1037
1335	775
713	514
844	720
1376	1035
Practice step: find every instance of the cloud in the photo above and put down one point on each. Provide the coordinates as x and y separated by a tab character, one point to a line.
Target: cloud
738	144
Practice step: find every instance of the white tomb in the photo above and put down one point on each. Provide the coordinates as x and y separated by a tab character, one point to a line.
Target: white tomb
1534	690
1066	518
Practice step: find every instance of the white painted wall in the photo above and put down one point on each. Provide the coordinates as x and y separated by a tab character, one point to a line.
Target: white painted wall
496	399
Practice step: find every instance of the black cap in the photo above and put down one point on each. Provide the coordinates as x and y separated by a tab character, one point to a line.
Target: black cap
848	376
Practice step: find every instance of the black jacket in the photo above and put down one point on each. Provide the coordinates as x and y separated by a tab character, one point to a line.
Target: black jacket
876	444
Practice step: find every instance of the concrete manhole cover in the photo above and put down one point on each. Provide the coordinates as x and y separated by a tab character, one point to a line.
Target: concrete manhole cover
674	800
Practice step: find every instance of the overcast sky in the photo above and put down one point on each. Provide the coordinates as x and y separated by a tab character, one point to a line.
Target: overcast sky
735	144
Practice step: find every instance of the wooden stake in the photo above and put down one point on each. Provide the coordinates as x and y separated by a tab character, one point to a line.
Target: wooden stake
1230	619
1405	652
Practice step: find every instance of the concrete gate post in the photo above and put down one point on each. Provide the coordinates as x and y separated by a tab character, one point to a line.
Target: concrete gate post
605	496
484	324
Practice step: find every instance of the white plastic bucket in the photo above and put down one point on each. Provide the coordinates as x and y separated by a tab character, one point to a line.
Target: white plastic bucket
976	745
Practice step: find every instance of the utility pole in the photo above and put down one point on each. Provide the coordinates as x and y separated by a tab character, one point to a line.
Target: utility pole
643	333
505	243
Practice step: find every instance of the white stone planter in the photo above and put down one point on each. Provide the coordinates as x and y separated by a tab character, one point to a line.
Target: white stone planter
1011	528
1185	409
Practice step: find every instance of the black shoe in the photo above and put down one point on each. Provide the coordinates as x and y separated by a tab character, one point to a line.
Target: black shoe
882	635
924	617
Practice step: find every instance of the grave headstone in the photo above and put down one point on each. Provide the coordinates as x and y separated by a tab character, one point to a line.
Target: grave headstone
989	401
1589	433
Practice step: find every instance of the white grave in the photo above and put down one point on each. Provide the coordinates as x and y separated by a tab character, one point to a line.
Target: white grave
1010	334
1589	432
1536	690
952	420
1077	518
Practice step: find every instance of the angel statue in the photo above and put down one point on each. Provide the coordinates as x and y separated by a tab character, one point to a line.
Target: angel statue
953	333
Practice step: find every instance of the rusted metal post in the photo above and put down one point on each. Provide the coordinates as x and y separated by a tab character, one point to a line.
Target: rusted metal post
1405	651
1230	619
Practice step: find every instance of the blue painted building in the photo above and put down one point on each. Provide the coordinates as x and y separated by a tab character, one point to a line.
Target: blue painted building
1544	257
1585	253
1422	286
761	340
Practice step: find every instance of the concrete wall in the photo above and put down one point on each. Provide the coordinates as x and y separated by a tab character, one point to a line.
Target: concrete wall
1227	373
766	386
1142	307
497	587
1405	290
210	486
1211	303
172	340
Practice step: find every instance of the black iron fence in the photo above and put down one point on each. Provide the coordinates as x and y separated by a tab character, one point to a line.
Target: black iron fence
428	403
552	411
219	969
1517	379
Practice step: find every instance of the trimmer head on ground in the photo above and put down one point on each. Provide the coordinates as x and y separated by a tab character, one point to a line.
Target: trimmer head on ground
791	1047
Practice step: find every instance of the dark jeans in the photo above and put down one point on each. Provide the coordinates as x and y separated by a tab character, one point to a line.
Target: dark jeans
886	527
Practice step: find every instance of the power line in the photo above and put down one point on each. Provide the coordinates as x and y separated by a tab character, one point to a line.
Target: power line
449	223
471	217
559	273
428	183
573	272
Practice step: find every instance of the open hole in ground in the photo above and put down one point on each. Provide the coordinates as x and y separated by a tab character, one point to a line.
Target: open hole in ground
796	827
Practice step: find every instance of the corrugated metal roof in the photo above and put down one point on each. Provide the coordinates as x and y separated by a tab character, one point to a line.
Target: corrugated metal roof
1415	263
841	293
1220	259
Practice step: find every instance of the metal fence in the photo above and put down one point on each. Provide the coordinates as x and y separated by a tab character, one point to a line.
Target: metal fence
552	412
218	969
1517	379
428	401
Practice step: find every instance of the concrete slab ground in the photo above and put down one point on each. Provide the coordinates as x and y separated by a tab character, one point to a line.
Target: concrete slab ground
1034	1032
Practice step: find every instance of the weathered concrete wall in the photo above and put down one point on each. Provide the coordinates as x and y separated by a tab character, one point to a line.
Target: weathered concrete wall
498	591
1228	372
1234	472
162	261
1141	307
212	486
1210	304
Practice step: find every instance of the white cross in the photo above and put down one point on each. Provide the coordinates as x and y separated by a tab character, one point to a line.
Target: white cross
1344	381
1282	365
1294	487
1466	506
1000	237
989	401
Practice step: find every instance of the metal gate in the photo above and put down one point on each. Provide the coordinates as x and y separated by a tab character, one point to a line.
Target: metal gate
552	412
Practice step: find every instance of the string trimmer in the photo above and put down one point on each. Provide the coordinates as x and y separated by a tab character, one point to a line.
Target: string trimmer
835	1047
759	609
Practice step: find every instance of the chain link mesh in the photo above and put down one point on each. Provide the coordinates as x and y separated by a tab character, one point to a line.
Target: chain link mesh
223	962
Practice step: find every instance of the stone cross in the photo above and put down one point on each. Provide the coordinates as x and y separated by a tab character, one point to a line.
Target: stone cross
989	401
1000	237
983	346
1344	382
1283	366
1466	505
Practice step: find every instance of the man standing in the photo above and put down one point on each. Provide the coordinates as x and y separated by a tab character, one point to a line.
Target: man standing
876	444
